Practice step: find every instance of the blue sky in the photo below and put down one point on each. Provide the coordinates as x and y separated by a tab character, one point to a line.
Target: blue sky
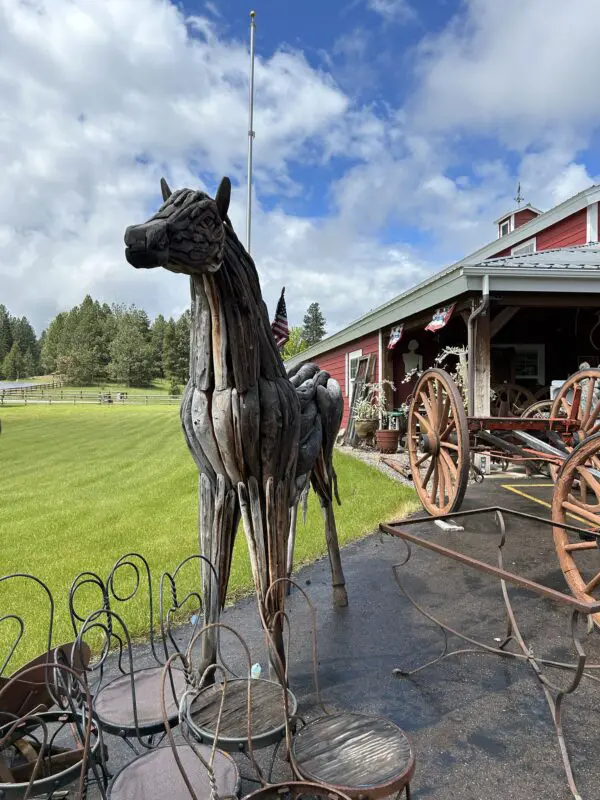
389	135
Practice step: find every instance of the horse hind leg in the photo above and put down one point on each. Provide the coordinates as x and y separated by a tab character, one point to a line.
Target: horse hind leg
340	595
291	543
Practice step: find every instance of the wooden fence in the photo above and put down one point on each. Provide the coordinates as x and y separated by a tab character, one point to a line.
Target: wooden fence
73	397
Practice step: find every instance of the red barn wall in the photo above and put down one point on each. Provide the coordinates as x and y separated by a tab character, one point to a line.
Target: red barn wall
569	231
526	215
334	362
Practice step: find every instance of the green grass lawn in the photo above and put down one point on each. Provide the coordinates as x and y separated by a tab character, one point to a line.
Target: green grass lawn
82	485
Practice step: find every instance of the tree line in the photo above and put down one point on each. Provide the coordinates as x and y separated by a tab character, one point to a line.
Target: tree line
93	343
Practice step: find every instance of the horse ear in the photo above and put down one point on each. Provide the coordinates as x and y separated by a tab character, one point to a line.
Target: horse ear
164	187
222	197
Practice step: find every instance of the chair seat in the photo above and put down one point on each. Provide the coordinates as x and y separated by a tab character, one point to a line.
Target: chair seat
155	775
114	702
268	722
359	754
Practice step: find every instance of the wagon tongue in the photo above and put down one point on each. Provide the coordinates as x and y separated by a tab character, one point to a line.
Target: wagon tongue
540	445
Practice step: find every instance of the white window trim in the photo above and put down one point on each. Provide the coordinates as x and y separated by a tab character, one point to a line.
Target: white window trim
500	224
350	357
514	250
592	222
524	348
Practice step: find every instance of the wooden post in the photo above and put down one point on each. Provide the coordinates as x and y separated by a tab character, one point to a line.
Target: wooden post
482	377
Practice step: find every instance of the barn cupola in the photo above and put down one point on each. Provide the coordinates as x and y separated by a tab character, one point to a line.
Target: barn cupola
522	214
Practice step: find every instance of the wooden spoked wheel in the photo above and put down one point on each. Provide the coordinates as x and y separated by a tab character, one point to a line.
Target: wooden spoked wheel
538	410
588	414
438	443
511	400
577	502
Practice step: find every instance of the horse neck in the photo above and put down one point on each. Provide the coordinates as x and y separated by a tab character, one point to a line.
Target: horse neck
230	325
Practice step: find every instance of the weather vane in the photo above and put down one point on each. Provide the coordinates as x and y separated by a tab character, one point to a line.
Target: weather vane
519	198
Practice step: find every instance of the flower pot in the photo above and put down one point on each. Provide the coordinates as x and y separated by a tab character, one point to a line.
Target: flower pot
387	441
365	427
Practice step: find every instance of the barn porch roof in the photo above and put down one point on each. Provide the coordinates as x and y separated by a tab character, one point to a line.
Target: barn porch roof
566	270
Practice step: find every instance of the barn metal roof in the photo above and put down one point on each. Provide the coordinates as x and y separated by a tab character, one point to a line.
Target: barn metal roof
582	257
568	269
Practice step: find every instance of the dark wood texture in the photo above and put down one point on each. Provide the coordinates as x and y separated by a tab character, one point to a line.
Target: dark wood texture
359	754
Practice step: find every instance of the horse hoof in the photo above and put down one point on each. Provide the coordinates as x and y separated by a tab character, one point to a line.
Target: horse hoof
340	596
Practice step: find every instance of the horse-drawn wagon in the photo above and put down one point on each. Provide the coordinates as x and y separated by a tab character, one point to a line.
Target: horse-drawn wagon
441	440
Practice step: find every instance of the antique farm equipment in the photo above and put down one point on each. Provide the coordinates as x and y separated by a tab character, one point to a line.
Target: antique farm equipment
441	439
257	435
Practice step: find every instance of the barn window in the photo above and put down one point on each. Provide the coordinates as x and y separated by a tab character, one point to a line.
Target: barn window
352	360
505	227
524	248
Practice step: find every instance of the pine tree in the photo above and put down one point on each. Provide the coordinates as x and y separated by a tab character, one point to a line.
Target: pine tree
131	350
13	363
169	359
314	325
158	329
6	336
52	346
182	328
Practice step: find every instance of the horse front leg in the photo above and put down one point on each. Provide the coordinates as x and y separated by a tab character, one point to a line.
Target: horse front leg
217	528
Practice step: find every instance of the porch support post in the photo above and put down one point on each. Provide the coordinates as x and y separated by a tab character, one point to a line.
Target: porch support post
482	379
483	368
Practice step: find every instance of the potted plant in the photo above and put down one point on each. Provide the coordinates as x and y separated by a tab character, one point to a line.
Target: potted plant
377	397
366	418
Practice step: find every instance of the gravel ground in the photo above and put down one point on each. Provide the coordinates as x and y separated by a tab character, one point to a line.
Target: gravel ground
373	458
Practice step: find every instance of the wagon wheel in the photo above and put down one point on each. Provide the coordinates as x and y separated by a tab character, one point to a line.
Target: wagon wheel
511	400
538	410
588	381
438	443
576	501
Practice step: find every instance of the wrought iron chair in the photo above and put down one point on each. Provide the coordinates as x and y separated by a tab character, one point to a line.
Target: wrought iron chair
186	769
128	705
42	752
360	755
251	704
30	694
183	769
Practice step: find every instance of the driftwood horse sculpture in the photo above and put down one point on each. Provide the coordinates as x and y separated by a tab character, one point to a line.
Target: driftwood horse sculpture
257	435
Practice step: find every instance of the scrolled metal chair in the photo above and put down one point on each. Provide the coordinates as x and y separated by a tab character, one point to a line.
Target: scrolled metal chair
363	756
41	751
15	636
186	770
128	705
183	769
254	715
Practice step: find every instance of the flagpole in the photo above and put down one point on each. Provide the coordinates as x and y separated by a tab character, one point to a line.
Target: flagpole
250	130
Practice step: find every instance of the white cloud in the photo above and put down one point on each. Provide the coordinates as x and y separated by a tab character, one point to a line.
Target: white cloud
520	70
100	99
392	10
100	85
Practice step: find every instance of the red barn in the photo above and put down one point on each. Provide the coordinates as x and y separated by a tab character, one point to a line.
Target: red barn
539	285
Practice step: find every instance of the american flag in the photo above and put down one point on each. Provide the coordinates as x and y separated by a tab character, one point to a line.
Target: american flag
279	326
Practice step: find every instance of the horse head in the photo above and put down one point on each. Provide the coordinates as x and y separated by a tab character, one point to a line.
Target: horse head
187	234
